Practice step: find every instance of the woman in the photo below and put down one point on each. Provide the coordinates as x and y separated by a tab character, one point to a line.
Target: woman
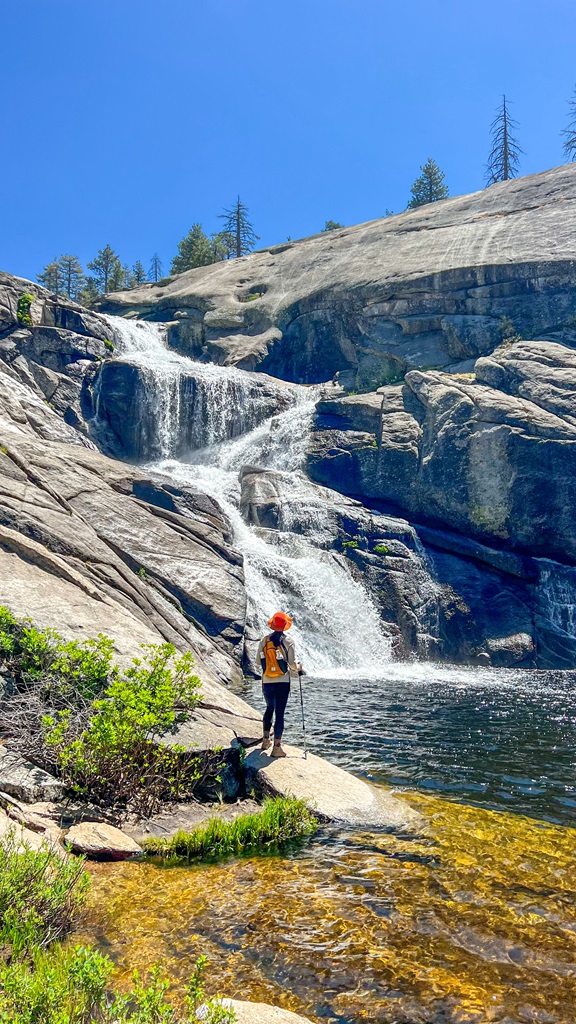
278	659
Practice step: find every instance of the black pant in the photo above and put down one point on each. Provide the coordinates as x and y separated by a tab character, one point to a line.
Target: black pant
276	697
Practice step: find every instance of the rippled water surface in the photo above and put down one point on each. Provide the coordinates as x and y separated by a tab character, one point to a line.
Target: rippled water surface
473	921
506	739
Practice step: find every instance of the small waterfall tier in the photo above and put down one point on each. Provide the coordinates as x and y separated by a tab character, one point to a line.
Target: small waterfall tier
154	404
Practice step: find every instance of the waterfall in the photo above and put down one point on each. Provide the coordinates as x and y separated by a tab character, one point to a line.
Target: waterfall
185	405
337	629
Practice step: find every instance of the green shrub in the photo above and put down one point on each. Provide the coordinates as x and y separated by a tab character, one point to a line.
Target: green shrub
31	653
108	345
282	820
71	987
115	757
350	544
39	896
42	983
380	549
23	309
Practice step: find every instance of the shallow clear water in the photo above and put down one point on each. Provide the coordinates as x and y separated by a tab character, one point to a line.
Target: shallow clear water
505	739
473	921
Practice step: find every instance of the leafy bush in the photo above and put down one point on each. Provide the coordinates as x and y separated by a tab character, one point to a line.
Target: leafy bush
115	758
281	820
380	549
108	345
39	896
31	654
350	544
42	983
23	309
74	713
71	987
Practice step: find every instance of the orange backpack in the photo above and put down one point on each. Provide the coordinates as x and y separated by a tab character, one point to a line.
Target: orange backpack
272	666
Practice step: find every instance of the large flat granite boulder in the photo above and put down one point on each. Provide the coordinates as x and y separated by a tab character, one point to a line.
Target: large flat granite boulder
331	792
427	288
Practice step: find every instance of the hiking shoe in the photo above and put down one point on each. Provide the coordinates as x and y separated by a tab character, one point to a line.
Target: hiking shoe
265	743
277	751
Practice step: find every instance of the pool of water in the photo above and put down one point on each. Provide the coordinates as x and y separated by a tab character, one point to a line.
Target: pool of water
505	739
473	921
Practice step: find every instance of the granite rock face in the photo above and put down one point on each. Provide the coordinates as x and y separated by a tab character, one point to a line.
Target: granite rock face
489	458
427	288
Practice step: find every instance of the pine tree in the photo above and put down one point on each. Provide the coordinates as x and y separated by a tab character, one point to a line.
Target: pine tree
51	277
127	278
223	246
155	272
429	187
237	224
72	275
90	292
569	133
139	275
194	250
107	270
504	158
332	225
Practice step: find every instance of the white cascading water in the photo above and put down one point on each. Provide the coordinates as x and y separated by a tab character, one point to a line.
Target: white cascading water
189	404
337	629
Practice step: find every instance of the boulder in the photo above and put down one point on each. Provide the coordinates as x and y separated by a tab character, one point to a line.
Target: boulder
430	287
256	1013
25	781
332	793
23	838
100	841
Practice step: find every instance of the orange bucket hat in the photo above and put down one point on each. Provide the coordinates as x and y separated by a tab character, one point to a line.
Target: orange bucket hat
280	622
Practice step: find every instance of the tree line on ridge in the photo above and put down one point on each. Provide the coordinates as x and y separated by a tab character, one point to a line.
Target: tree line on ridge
65	277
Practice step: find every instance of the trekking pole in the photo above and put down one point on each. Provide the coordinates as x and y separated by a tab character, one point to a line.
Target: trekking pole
300	674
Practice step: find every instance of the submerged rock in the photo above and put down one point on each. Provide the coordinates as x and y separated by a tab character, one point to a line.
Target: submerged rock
332	793
256	1013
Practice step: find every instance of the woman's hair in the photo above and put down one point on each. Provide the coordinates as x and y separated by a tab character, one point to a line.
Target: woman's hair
276	637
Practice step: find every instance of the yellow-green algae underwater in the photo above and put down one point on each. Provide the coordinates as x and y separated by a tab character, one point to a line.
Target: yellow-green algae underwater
474	921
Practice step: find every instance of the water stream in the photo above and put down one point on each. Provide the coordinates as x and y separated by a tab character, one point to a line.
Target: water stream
472	922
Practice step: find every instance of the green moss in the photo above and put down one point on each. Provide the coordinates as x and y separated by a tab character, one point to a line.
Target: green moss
281	820
380	549
108	345
350	544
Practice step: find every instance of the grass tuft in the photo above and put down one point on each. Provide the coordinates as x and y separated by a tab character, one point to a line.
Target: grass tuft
281	820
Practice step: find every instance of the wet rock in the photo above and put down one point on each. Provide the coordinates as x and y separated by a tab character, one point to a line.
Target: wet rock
25	781
507	651
332	793
100	841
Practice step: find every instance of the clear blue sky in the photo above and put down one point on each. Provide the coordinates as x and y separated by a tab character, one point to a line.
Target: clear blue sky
125	121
